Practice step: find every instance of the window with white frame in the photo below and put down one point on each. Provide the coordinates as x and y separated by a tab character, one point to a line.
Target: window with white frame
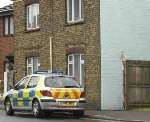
74	10
76	67
32	65
32	16
8	25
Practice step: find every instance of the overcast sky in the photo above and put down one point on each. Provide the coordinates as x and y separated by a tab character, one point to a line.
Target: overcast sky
5	2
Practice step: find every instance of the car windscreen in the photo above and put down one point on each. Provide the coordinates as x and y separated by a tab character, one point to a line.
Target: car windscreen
61	82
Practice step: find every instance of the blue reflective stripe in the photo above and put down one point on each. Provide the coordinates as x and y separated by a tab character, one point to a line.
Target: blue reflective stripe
26	102
32	93
20	94
15	103
25	99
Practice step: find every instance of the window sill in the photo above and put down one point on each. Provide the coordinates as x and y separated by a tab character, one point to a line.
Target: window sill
75	23
32	30
9	35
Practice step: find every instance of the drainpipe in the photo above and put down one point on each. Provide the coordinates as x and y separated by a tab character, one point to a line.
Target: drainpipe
51	55
6	77
123	59
5	83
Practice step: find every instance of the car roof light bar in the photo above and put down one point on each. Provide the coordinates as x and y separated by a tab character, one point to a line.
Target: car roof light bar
60	72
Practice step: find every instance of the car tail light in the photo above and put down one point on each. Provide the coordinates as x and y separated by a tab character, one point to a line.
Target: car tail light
46	93
82	94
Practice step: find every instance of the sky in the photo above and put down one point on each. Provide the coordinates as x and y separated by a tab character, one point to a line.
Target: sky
5	2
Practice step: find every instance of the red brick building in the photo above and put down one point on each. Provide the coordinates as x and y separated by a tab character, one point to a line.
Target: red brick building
6	39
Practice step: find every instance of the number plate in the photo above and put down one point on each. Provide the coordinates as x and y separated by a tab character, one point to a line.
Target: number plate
67	103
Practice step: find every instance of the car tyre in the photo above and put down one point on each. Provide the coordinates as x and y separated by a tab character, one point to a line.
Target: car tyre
36	109
8	107
78	113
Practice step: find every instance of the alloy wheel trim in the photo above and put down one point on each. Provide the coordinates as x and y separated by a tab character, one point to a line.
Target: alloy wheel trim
8	105
35	108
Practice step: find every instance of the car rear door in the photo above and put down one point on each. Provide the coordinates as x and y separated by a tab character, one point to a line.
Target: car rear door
29	91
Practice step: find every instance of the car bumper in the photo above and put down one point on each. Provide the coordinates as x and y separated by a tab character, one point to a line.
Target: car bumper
53	105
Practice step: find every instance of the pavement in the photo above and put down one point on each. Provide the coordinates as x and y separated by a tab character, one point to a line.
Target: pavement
126	116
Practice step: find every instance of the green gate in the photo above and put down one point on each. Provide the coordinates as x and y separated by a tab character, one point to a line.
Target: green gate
136	84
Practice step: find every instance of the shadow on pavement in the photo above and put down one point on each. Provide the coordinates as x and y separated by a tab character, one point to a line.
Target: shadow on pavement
52	116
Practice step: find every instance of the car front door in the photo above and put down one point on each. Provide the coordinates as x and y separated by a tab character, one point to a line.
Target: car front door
18	100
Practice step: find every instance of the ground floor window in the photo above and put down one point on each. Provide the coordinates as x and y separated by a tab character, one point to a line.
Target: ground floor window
76	67
33	65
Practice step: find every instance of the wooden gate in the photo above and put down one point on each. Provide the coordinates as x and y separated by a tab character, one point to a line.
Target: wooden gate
137	84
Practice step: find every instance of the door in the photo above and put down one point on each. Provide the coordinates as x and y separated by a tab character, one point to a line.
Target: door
137	84
29	92
18	100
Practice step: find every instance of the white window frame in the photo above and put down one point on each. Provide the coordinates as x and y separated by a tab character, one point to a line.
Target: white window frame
81	63
11	26
8	25
30	16
73	63
81	18
32	63
29	65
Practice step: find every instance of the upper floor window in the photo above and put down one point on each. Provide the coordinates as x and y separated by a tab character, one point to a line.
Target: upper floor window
32	65
8	25
32	16
74	10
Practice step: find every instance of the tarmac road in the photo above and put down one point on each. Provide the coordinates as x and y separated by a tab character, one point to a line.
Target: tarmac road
27	117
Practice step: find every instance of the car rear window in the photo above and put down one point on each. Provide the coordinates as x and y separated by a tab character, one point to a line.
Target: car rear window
61	82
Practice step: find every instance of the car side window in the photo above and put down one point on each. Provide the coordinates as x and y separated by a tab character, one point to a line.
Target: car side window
22	83
33	82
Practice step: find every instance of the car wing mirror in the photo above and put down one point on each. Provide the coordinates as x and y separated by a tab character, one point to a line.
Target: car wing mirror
16	87
11	87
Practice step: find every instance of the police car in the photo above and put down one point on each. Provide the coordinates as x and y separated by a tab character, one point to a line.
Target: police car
44	92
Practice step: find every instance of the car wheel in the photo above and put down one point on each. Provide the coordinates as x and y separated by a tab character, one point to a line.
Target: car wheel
8	107
36	109
78	113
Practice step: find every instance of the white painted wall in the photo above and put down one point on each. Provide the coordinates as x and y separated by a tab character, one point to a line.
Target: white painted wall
125	26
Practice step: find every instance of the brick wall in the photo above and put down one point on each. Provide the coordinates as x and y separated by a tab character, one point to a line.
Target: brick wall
6	47
1	26
64	36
